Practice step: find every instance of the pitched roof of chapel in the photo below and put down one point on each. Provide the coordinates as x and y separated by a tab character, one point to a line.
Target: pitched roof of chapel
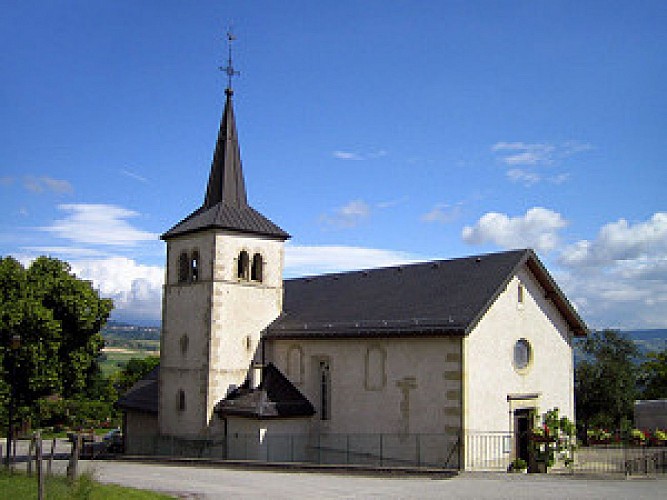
143	395
275	397
225	203
445	297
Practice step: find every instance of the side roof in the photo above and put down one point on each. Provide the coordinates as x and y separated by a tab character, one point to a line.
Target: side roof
143	395
275	397
446	297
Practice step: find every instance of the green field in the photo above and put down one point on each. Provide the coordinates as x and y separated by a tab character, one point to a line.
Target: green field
113	361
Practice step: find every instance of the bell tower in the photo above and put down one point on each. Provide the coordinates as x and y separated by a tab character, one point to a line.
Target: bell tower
223	286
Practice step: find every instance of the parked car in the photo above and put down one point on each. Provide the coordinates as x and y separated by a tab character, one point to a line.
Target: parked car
114	441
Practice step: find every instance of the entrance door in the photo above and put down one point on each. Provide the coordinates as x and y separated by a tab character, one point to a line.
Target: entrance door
523	420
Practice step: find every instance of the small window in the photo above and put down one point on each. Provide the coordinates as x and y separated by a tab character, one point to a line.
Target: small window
325	391
520	293
181	400
194	266
185	343
523	354
256	274
242	266
183	268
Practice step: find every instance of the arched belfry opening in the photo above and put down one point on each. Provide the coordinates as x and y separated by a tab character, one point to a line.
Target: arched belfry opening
257	268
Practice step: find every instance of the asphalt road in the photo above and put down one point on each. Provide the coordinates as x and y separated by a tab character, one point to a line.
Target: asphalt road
194	482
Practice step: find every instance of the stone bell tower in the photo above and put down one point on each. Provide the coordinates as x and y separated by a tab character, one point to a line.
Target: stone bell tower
223	286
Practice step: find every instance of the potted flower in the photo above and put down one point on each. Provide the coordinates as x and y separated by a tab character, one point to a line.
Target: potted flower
637	437
659	438
519	465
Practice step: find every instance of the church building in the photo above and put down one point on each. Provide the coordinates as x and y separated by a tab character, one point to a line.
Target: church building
430	363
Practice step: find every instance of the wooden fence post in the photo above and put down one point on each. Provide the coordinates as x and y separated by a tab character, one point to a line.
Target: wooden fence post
74	458
53	450
38	460
31	448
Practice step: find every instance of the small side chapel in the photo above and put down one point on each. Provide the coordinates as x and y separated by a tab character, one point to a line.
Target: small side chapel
448	350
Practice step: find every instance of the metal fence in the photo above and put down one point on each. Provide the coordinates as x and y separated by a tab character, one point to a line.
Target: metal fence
377	450
621	458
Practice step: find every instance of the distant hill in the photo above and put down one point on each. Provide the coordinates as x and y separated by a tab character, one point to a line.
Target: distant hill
115	330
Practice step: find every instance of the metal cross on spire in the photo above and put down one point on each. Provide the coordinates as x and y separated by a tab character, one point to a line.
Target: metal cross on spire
229	69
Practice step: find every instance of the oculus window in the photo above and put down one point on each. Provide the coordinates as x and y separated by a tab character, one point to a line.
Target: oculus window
523	354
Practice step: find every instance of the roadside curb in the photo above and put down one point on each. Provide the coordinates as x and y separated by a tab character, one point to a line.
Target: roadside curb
360	470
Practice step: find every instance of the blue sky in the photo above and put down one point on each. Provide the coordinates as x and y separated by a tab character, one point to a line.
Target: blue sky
375	132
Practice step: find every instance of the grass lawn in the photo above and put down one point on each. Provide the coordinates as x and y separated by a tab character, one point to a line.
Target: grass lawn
19	486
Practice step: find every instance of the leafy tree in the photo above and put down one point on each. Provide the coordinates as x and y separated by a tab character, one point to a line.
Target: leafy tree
605	380
135	370
653	376
58	318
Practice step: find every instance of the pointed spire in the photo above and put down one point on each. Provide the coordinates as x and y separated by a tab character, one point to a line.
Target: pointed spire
226	183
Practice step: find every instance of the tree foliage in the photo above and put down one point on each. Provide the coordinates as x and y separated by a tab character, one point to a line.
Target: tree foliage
653	376
605	380
58	318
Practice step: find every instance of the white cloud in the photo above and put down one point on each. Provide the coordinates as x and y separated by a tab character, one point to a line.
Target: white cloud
520	175
45	183
133	175
136	289
98	224
347	155
357	156
619	241
560	178
521	153
349	215
442	213
312	260
537	229
620	277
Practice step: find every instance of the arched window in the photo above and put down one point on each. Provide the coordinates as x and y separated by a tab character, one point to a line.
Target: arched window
194	266
242	266
183	268
257	265
181	400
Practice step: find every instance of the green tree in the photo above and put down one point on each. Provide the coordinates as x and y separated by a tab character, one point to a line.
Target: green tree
135	370
58	318
653	376
606	380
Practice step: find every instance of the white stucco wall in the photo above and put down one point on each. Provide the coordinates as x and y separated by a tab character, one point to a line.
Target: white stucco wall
490	376
419	391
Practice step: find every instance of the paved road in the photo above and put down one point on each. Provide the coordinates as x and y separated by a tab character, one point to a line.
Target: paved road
216	483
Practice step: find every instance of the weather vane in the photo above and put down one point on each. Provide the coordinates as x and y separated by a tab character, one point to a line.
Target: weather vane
229	69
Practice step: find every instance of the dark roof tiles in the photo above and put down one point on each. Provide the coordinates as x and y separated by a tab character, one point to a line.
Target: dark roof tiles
433	298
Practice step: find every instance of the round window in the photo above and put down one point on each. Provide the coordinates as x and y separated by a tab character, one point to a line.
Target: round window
522	354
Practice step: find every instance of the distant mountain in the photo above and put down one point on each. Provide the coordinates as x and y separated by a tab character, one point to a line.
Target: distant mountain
646	340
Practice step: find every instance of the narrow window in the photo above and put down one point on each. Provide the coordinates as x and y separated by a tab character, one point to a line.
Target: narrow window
376	378
185	342
256	274
183	268
520	293
325	391
194	266
295	364
242	266
181	400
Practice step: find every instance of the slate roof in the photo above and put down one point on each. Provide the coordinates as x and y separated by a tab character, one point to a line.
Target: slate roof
225	204
143	395
275	397
446	297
